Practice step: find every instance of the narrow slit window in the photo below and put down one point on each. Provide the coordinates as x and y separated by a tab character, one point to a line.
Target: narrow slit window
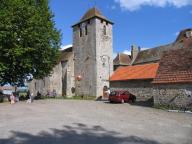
80	32
104	30
86	30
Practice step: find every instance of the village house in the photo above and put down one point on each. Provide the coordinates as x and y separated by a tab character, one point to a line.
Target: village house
121	60
162	73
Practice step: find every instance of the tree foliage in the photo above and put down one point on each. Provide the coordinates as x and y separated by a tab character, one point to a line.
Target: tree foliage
29	41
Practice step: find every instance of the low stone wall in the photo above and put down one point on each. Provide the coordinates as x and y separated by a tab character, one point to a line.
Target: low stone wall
141	89
173	96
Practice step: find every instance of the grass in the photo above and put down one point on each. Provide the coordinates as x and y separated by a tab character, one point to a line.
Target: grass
81	98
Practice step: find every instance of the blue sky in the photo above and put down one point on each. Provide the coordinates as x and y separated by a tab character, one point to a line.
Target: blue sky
146	23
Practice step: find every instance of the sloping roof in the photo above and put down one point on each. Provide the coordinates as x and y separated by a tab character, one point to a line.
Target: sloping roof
182	34
69	49
137	72
175	67
154	54
92	13
122	59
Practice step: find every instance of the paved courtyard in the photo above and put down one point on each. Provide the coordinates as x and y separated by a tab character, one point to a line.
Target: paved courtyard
91	122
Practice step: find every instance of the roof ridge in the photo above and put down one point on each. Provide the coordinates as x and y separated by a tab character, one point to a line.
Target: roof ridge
92	13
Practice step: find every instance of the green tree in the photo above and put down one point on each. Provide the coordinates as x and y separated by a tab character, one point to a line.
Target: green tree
29	41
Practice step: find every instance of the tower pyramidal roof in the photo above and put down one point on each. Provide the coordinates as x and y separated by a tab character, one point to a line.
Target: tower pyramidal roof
93	13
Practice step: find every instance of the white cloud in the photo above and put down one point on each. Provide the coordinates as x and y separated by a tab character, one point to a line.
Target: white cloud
133	5
128	52
176	34
114	54
66	46
145	48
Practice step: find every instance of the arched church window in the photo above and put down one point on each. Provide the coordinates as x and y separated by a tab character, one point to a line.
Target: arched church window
104	30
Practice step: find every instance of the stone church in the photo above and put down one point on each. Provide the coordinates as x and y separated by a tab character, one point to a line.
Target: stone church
84	68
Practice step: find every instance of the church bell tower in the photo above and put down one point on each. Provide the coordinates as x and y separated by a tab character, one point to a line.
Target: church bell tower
92	46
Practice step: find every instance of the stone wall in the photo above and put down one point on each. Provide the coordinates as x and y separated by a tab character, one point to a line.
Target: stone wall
104	50
68	81
84	58
61	79
141	89
88	51
169	95
175	95
53	82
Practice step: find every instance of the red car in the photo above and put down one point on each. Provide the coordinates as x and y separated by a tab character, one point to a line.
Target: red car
121	97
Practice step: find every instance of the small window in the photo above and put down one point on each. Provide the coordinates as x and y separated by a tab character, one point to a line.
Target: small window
80	32
86	30
107	23
88	22
104	30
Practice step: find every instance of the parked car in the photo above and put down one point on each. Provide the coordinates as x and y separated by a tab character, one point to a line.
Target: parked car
121	97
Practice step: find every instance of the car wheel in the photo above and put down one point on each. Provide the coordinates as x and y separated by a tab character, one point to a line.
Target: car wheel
122	101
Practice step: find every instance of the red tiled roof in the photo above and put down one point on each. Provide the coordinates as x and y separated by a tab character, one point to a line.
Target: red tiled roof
146	71
175	67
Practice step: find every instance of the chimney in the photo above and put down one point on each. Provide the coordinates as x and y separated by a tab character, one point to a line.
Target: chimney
134	52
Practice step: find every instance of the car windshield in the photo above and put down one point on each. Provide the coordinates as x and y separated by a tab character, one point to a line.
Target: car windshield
113	93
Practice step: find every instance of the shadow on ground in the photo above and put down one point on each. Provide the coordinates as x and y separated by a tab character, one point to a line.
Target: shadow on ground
78	134
147	103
